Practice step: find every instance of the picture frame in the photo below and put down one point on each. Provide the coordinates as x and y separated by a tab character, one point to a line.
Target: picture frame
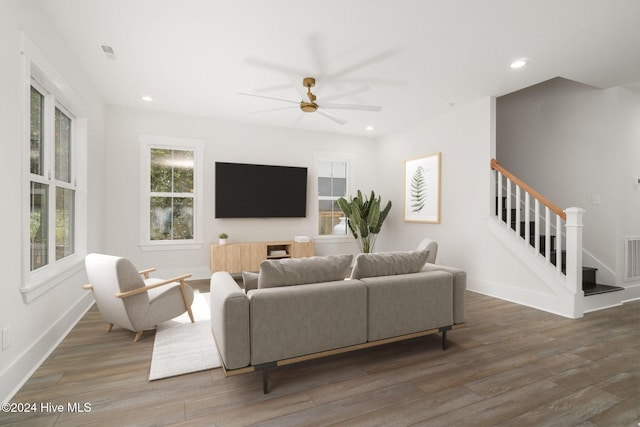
422	189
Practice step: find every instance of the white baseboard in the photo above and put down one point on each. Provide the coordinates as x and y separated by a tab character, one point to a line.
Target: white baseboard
555	304
16	375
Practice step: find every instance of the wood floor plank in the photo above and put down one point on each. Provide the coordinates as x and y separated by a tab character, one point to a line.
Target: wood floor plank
510	365
568	410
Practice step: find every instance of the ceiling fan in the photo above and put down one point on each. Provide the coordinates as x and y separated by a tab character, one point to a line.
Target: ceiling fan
311	104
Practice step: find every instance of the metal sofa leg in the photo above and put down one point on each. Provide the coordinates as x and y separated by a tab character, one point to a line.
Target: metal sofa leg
265	381
265	375
444	336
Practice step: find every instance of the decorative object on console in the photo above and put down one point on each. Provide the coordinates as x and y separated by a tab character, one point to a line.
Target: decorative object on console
422	189
364	218
222	238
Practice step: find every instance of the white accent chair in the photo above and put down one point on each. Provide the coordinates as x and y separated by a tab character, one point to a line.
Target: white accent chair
130	298
432	245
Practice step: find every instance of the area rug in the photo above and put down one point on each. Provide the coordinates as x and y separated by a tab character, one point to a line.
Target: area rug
181	347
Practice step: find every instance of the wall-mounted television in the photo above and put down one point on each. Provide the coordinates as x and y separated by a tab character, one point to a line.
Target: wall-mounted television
260	191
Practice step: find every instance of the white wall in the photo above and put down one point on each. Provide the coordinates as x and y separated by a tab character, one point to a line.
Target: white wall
465	137
225	141
35	328
570	142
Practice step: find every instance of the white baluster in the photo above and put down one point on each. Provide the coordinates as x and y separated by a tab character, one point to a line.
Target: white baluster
499	212
518	190
536	219
558	244
547	234
527	218
508	202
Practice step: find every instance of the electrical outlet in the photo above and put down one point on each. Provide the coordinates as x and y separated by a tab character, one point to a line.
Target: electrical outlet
5	338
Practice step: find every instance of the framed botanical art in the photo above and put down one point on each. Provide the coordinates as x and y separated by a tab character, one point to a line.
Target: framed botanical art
422	189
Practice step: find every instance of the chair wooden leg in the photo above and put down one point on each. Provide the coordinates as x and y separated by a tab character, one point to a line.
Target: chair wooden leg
185	297
110	327
138	336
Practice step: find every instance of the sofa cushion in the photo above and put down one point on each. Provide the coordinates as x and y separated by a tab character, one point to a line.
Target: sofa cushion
291	321
302	271
250	280
389	263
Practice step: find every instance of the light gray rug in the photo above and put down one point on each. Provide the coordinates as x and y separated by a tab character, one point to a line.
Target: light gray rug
181	347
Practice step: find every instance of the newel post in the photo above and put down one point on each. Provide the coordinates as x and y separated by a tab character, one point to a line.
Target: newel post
574	225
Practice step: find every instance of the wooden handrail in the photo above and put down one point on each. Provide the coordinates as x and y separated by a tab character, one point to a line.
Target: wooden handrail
496	166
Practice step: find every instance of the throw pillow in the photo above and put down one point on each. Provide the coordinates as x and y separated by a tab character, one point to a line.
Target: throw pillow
388	263
302	271
250	281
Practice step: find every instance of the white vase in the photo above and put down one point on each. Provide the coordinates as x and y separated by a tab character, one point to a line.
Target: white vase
341	227
222	241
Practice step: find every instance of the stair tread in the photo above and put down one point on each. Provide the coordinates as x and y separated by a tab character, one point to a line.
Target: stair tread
598	288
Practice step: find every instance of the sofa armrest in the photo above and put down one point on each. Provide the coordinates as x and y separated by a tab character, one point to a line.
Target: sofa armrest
459	289
230	320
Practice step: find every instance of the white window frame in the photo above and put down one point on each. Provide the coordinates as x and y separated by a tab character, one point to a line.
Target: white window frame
147	142
332	157
42	75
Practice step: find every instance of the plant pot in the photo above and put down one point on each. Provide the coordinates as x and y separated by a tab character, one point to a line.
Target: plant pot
222	241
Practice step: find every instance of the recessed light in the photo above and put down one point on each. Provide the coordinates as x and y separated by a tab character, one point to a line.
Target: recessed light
147	98
369	128
519	63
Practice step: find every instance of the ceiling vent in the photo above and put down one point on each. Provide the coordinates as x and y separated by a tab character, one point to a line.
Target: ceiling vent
108	52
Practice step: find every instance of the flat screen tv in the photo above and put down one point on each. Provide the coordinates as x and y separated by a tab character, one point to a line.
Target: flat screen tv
260	191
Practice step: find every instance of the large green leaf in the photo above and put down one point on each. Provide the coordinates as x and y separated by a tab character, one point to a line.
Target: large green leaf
364	218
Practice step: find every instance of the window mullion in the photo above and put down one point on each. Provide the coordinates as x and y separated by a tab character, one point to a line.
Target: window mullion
49	168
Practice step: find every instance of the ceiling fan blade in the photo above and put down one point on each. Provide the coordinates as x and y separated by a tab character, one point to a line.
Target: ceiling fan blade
330	116
273	66
349	92
269	97
365	62
273	109
350	106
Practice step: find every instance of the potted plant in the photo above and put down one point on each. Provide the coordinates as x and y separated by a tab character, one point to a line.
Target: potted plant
364	218
222	238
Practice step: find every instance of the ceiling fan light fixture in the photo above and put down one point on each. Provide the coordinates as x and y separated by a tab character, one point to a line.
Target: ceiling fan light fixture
308	107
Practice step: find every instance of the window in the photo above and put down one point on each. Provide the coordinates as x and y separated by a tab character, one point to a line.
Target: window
54	229
171	192
332	184
52	196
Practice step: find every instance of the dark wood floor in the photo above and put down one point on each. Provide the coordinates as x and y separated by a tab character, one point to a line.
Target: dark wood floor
511	366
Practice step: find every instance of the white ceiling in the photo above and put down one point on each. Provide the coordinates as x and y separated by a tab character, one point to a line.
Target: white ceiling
418	56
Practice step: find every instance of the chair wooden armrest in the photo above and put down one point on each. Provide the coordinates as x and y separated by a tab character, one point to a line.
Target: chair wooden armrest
155	285
146	272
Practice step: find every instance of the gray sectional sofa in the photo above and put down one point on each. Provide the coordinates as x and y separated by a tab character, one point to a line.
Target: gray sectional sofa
298	309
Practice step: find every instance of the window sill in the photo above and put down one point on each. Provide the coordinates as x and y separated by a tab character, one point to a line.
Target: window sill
333	238
170	246
44	282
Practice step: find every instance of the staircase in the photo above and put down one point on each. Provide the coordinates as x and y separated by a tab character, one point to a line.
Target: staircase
549	241
589	284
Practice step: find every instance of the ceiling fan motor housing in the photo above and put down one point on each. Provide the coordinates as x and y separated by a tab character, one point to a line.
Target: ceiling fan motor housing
308	107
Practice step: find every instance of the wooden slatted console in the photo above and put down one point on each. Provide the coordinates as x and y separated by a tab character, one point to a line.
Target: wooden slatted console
239	257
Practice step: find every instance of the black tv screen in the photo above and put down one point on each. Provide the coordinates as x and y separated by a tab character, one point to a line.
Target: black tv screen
260	191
